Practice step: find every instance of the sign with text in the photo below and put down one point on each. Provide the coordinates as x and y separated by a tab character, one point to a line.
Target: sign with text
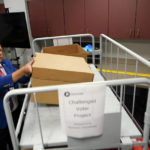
82	110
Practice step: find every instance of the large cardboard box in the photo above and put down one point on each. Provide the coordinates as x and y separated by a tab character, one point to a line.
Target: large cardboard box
69	50
52	69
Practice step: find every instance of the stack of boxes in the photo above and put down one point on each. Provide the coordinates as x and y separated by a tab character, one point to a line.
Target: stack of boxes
54	69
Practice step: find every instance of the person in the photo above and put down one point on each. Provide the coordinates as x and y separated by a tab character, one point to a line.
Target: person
9	79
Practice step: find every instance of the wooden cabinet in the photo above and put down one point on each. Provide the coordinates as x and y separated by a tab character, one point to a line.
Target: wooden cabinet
46	17
129	19
142	26
37	16
59	17
54	17
96	16
122	18
86	16
116	18
74	16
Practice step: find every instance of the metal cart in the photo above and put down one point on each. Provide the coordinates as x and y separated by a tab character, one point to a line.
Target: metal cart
38	43
42	127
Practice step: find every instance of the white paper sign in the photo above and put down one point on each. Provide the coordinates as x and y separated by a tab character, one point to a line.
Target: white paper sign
82	110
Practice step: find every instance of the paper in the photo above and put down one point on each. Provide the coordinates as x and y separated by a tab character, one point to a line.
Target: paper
82	110
63	41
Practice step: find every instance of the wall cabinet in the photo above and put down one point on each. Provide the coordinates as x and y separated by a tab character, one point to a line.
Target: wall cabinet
86	16
96	16
46	17
142	26
116	18
121	18
37	16
59	17
129	19
74	16
54	17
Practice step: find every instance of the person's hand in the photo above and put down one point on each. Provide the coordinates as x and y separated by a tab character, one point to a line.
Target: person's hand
25	70
28	67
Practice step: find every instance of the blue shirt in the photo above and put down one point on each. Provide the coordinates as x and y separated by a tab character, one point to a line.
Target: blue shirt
6	83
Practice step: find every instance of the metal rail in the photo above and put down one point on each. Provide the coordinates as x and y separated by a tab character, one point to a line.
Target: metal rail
125	49
111	66
64	37
55	88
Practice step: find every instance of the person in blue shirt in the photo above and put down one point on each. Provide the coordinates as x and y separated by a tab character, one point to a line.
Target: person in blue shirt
9	79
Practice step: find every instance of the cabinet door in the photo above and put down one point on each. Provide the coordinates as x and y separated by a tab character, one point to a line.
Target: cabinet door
74	16
142	29
96	16
122	18
55	17
37	18
2	8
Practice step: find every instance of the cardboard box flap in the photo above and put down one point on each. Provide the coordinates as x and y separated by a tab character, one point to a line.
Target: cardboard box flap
60	67
73	49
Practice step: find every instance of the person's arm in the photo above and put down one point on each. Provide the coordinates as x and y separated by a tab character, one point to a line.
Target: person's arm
24	71
9	80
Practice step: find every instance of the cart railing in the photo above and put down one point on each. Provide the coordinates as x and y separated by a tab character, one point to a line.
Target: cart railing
109	83
22	113
49	41
119	62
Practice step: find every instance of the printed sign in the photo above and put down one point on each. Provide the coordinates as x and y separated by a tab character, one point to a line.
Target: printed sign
82	110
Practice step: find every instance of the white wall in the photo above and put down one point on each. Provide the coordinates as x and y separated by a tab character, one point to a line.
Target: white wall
141	47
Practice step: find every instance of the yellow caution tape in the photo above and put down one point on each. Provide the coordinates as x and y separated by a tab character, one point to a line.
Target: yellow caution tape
125	73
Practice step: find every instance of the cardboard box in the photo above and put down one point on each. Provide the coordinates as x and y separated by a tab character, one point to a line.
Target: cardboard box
52	69
69	50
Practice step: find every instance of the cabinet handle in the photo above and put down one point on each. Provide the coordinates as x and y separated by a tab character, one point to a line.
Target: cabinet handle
83	30
87	30
130	34
48	30
138	32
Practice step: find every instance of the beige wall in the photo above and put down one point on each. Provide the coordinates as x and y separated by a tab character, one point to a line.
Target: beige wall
141	47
